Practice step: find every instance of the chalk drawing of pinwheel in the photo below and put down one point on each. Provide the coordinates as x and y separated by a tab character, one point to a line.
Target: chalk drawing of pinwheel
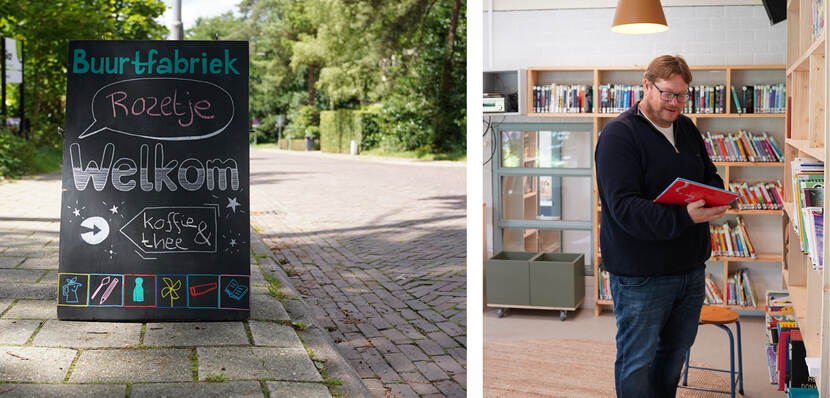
171	289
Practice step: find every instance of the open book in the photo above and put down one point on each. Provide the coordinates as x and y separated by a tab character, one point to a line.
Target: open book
683	191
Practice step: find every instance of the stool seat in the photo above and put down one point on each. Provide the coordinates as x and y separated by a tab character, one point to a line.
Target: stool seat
712	315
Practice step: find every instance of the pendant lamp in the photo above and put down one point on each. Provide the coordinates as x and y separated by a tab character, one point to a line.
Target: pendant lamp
639	17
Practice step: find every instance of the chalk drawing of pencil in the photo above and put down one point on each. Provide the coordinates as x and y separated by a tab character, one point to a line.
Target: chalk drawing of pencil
109	290
198	290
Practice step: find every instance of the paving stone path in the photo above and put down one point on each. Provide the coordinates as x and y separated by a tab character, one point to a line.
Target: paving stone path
44	357
377	249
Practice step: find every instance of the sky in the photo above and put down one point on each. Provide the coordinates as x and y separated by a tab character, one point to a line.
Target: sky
192	9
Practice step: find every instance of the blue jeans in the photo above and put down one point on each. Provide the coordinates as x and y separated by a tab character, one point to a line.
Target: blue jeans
657	318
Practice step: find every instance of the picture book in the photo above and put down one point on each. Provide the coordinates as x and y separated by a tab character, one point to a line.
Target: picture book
683	191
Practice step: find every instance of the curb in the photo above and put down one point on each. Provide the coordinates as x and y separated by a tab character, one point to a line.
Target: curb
368	158
314	337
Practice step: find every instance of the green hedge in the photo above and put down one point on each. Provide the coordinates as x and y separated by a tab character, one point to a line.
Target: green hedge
339	128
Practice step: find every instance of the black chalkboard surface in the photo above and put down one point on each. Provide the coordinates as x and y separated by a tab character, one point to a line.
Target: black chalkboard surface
155	205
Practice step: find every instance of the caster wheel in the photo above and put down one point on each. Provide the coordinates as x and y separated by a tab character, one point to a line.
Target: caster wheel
562	315
501	312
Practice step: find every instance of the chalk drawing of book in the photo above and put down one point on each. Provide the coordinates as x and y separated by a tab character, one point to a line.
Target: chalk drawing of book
235	290
71	288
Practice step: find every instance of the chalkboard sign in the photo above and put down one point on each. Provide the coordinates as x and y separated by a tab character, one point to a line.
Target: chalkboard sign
154	212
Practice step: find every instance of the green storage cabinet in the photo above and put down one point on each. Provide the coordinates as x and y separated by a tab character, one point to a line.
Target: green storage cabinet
508	278
557	280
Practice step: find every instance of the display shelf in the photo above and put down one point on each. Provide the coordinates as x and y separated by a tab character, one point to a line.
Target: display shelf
806	126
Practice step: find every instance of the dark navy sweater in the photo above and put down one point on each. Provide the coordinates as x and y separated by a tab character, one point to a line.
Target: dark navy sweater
634	164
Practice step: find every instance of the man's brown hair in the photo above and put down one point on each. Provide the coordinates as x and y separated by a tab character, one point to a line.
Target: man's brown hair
666	66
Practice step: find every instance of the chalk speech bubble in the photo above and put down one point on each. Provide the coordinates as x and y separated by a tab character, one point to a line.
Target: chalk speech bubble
161	108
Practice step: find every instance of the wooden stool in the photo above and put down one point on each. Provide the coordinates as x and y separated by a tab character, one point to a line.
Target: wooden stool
720	316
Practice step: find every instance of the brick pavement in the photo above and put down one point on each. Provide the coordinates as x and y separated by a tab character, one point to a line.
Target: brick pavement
42	356
377	249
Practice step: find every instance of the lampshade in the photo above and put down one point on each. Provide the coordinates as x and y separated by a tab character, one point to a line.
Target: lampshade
639	16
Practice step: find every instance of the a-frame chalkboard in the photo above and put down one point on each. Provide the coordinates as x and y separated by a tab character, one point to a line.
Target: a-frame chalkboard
155	205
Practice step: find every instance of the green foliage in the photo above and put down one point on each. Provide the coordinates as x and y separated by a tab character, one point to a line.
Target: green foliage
303	121
19	157
15	154
46	27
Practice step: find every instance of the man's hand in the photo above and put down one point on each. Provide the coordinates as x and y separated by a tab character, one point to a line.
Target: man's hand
700	214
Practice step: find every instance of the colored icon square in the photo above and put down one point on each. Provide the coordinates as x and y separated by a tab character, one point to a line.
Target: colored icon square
203	291
172	291
139	290
106	290
234	292
73	289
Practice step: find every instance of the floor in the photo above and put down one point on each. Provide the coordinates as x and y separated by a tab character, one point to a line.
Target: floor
710	348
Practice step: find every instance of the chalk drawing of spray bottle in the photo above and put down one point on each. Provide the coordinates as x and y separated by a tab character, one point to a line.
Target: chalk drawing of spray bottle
71	287
138	290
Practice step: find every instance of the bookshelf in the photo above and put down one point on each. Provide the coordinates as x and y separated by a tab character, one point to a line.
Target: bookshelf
806	132
729	121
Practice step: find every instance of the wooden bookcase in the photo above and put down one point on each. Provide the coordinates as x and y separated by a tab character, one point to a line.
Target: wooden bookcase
730	121
806	78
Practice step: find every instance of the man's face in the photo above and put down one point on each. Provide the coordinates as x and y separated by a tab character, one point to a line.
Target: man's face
662	112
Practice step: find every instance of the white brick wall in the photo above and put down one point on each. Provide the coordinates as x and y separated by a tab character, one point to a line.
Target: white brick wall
713	35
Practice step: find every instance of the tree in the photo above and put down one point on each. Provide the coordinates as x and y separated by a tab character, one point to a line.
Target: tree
46	27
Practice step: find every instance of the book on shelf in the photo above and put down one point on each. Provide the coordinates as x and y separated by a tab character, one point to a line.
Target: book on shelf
742	146
737	104
682	191
749	103
771	365
731	241
759	196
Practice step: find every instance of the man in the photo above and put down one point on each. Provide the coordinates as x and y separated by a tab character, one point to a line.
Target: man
655	253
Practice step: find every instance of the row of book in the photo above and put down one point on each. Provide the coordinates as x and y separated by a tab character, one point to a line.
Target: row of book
739	289
712	292
808	202
706	99
761	98
562	98
731	241
742	146
785	351
604	285
759	196
614	98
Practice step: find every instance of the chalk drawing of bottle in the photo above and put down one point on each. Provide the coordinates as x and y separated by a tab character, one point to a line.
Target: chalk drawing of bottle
138	290
71	287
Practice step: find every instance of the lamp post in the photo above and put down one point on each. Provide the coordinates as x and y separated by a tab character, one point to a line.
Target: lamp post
280	123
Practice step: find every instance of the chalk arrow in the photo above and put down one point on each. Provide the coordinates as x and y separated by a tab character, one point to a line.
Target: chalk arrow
100	230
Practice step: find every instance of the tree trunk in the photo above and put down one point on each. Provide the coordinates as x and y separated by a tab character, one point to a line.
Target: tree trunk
443	126
311	69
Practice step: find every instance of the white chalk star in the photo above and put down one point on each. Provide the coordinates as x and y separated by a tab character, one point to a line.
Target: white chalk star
77	212
232	203
114	209
233	242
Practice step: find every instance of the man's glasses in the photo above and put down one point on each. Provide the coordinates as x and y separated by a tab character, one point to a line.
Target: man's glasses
668	95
